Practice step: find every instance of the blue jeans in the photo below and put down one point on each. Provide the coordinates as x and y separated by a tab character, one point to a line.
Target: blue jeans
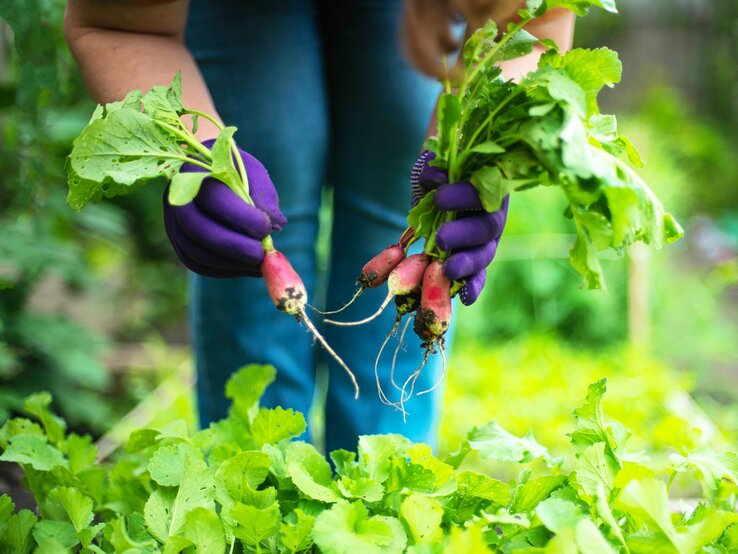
321	95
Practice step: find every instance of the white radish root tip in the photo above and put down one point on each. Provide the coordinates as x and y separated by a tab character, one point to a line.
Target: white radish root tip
303	316
375	315
443	372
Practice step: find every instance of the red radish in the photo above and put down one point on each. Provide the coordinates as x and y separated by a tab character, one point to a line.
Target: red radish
377	270
289	295
283	283
434	314
403	281
407	277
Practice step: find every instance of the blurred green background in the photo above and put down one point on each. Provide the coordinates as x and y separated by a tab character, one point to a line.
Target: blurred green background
93	304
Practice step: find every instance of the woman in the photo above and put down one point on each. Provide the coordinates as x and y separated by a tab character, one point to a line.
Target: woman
321	93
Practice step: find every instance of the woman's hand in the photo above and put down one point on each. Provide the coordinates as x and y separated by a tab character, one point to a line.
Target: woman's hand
472	238
218	234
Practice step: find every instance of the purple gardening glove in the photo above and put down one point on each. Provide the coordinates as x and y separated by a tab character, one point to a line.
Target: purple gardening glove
472	238
218	234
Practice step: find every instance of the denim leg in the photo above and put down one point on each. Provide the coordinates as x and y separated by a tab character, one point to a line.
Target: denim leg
380	108
263	64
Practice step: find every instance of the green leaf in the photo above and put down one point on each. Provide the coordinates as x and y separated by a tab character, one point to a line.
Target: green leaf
422	455
35	451
422	216
711	466
557	514
125	148
202	527
423	516
166	508
348	529
129	533
519	44
495	443
375	454
449	115
77	506
595	468
158	512
166	465
647	501
246	470
583	258
16	537
581	7
478	485
310	472
59	532
246	386
529	494
590	69
591	427
272	425
254	525
361	487
223	168
7	507
296	536
184	186
165	103
81	452
468	541
38	405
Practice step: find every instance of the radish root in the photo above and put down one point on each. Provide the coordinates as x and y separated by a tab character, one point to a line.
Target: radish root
443	372
346	305
400	342
375	315
303	316
380	391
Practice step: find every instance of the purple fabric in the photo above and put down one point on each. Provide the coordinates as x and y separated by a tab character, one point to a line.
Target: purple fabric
218	234
472	238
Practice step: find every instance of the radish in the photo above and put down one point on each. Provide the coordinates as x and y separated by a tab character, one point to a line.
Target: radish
377	270
290	296
434	315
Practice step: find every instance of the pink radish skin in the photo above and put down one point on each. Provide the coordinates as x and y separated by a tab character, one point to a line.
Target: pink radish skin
407	277
434	315
283	283
377	270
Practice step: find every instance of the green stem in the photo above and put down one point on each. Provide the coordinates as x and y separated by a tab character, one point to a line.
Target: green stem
188	138
204	115
241	168
267	244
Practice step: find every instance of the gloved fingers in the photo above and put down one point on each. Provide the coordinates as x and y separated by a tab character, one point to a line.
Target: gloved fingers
262	191
473	288
473	230
467	262
457	197
221	204
432	177
217	238
207	258
196	267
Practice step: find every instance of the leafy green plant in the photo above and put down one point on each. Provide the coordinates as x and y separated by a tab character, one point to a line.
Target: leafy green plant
246	485
528	383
